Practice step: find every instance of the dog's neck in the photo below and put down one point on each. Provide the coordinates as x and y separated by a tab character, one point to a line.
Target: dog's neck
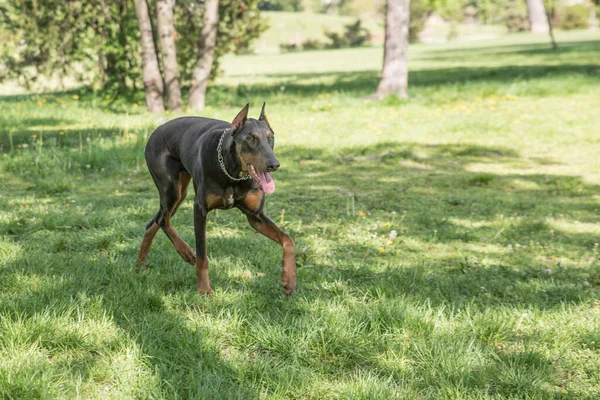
232	160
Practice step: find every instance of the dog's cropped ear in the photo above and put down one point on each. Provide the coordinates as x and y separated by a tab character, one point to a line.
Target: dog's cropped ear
263	116
240	119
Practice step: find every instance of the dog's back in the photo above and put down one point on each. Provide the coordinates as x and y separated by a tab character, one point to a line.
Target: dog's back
173	137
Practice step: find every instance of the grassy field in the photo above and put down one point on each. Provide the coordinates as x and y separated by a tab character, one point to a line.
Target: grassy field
447	244
286	27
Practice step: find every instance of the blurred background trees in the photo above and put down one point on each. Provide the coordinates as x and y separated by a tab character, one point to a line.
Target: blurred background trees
99	41
117	46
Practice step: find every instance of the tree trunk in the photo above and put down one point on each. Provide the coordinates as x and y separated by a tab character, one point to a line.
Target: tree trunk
394	75
593	21
549	17
153	83
536	12
166	34
208	41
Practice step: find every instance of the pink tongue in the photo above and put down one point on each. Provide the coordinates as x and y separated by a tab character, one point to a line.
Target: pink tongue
268	184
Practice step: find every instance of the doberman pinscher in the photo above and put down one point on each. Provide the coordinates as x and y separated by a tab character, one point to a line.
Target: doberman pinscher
230	166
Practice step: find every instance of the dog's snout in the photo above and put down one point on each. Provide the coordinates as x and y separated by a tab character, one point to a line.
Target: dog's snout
273	165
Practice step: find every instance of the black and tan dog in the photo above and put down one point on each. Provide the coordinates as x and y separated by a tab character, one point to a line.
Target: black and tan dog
230	166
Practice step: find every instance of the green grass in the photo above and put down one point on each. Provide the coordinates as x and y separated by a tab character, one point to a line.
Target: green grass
286	27
296	27
447	244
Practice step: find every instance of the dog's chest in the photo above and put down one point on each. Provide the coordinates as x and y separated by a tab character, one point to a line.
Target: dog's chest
228	200
223	200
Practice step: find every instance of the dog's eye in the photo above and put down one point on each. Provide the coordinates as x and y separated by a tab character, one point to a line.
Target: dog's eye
251	139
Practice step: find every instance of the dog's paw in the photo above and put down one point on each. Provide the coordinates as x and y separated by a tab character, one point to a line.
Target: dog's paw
188	255
289	286
141	266
289	290
205	290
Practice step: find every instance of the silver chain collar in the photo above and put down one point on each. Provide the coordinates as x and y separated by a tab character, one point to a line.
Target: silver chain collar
222	161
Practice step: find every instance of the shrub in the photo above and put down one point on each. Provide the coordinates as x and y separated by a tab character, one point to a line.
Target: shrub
280	5
419	11
572	17
355	35
515	17
312	44
308	44
285	47
336	40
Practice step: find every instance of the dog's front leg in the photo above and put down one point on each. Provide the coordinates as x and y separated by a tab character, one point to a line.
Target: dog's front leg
200	214
264	225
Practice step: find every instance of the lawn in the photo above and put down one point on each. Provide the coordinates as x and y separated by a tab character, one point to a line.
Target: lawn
447	244
296	27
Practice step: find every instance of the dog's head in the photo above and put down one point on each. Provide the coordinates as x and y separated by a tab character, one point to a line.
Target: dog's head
254	142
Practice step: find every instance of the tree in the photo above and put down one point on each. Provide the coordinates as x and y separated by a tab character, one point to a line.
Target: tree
394	75
166	34
239	23
208	42
549	18
538	20
98	42
92	40
153	83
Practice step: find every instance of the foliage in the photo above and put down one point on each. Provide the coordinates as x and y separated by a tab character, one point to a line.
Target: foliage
292	46
332	7
240	23
450	10
354	35
572	17
419	10
281	5
100	39
446	244
49	37
308	44
312	44
515	17
418	15
492	11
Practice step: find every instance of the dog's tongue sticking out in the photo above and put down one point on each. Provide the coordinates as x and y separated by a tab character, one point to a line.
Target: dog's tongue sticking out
263	179
267	183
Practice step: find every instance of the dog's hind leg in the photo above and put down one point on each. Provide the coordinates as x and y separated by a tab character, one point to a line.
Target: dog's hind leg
171	199
151	230
172	182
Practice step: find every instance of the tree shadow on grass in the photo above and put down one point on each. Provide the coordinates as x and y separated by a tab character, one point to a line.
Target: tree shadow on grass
584	46
363	83
174	359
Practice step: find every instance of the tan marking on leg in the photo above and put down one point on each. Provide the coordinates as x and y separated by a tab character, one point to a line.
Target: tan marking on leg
213	201
145	247
265	226
202	275
288	275
182	185
184	250
253	200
